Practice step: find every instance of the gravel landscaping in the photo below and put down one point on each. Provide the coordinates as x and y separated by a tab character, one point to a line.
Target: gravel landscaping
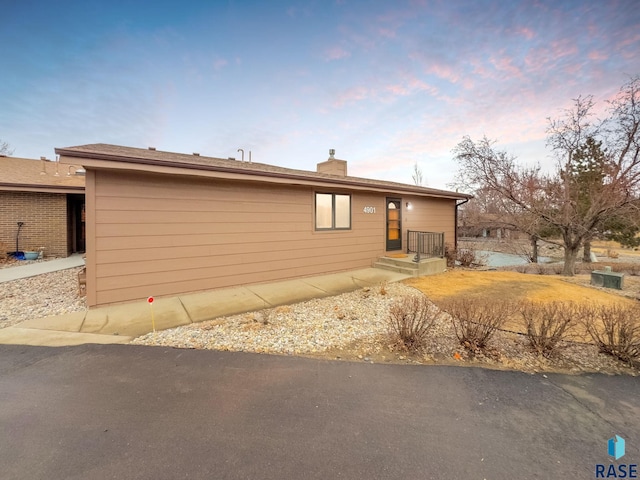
351	326
53	293
310	327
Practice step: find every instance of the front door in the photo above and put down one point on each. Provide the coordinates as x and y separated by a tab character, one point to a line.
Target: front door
394	224
76	223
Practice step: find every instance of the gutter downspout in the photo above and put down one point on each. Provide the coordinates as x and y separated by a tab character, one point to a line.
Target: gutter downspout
455	243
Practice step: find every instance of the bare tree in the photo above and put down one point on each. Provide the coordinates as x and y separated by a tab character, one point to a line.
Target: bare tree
487	211
417	175
5	149
535	200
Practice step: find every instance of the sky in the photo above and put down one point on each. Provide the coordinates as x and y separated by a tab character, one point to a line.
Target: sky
387	84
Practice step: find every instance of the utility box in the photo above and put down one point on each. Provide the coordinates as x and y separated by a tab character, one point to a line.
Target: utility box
607	279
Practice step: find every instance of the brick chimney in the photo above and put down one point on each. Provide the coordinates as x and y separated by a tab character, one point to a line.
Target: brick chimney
333	166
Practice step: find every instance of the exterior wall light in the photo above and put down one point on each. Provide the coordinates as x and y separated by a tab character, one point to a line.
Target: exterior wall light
409	206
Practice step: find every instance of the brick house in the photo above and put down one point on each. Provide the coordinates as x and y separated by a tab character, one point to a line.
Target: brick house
164	223
48	199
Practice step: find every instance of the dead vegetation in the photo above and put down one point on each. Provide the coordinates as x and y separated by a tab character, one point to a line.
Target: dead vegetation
475	321
558	317
614	329
548	324
411	318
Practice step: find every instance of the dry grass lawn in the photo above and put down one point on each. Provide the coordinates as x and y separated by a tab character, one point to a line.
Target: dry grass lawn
511	286
601	247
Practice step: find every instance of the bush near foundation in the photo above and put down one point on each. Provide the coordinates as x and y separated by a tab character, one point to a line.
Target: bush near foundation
410	319
547	324
466	257
475	320
450	255
615	329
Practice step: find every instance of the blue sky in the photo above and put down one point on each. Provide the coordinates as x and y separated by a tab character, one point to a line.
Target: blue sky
385	83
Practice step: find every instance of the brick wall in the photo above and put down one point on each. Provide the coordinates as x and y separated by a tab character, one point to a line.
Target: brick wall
45	221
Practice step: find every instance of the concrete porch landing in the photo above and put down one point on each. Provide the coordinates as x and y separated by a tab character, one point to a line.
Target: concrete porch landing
406	265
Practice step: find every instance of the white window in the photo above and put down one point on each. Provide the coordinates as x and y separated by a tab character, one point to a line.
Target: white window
333	211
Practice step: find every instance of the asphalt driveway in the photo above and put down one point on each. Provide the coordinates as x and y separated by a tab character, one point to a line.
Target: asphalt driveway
120	411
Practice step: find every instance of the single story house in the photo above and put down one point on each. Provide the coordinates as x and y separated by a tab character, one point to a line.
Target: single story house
47	199
486	225
162	223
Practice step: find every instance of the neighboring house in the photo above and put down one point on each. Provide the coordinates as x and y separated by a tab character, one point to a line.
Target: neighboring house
486	225
161	223
48	199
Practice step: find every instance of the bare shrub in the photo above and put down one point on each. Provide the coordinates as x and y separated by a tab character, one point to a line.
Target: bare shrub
475	320
615	329
585	267
540	269
450	255
522	268
547	324
628	268
469	257
411	317
465	257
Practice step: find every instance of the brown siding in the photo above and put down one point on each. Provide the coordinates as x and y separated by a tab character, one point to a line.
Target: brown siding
90	211
161	235
45	221
429	215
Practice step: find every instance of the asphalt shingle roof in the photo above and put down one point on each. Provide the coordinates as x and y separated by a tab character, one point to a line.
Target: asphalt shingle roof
101	151
24	172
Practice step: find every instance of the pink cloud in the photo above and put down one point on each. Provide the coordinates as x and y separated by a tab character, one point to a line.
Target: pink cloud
450	73
547	57
352	95
410	85
525	32
480	70
407	85
563	48
631	40
219	63
596	55
443	71
505	64
335	53
387	32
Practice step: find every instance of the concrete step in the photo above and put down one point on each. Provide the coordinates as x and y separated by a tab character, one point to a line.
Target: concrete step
413	272
400	262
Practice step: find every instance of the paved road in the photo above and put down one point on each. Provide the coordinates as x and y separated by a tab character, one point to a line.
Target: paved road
126	412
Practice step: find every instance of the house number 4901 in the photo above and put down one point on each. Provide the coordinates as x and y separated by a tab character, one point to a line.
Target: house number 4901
369	209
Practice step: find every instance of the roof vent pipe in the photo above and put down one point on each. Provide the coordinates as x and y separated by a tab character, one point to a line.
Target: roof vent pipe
332	152
43	160
249	156
241	150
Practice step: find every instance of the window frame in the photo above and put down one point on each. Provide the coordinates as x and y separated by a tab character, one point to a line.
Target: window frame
333	212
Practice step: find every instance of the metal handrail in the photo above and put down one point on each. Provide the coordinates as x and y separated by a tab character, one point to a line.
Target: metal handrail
425	244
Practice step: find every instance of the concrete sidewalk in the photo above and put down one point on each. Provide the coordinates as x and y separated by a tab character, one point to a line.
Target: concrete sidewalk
33	269
122	323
